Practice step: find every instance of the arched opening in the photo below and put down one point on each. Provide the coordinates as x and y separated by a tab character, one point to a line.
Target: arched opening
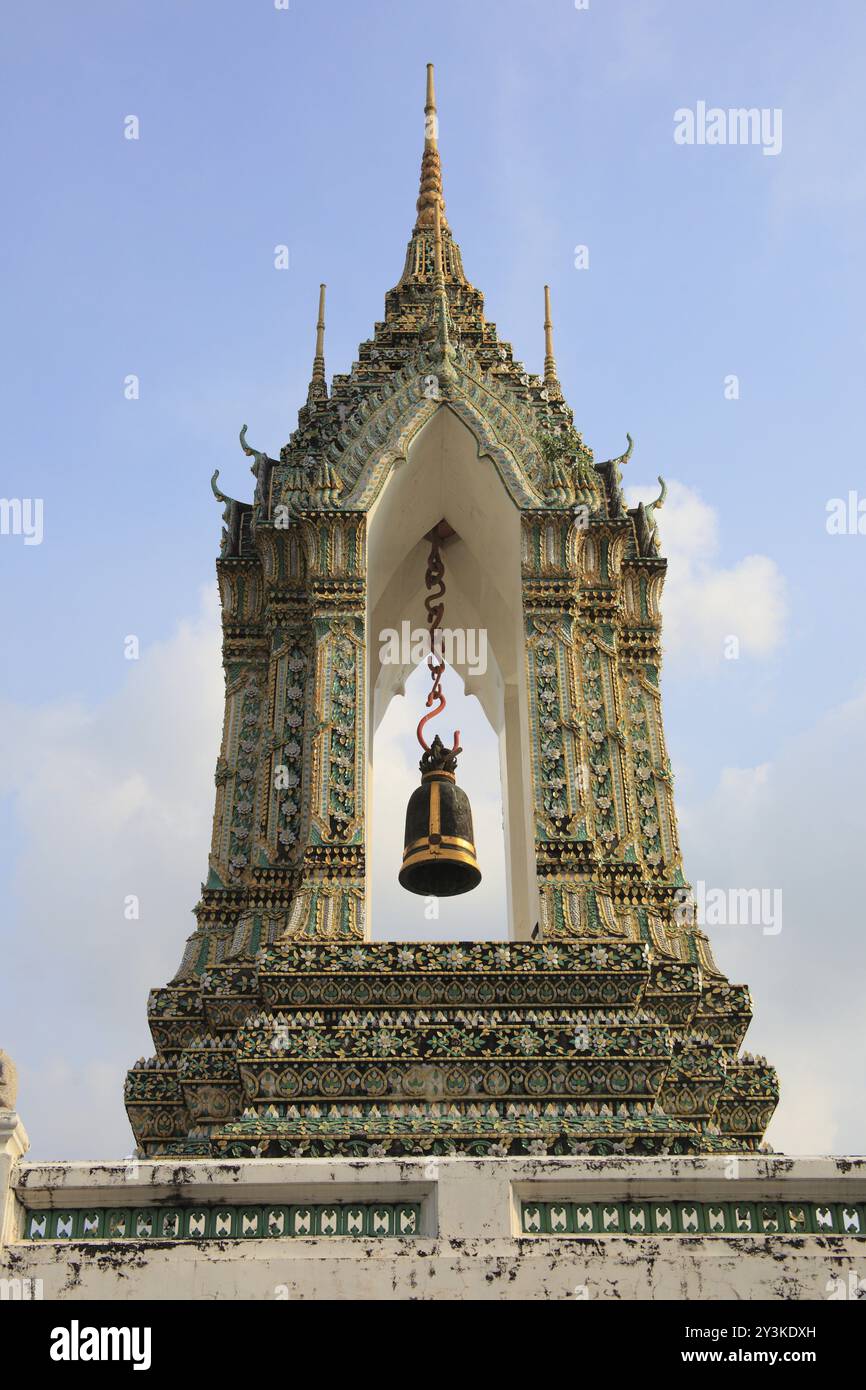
479	915
444	478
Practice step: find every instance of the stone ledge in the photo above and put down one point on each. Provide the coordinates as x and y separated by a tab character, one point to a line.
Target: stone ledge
469	1245
471	1197
214	1177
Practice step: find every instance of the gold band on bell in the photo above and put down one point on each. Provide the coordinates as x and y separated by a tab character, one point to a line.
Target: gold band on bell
426	852
451	841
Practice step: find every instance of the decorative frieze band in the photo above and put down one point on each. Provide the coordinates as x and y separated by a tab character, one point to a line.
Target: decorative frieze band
693	1218
370	1219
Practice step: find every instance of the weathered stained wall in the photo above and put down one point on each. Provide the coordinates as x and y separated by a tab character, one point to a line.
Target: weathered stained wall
469	1245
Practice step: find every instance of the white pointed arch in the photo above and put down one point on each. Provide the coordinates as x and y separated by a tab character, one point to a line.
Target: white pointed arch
448	472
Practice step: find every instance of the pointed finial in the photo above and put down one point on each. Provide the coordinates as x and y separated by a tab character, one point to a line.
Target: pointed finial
318	385
430	194
551	380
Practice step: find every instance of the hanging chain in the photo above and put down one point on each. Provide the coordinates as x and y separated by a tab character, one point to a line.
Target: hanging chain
435	582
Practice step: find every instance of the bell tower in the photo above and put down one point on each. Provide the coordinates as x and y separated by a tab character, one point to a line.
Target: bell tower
604	1024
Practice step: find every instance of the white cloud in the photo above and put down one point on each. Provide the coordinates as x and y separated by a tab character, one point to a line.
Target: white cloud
796	824
705	603
110	801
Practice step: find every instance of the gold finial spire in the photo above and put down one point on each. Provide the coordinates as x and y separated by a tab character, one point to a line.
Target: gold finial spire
318	385
439	280
430	194
551	380
438	275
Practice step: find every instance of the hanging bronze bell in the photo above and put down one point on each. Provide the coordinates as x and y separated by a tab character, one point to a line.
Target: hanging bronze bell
439	849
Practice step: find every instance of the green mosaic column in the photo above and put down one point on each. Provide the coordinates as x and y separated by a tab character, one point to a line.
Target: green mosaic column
329	900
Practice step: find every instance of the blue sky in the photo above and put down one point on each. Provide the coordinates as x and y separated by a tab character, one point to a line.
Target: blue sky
155	257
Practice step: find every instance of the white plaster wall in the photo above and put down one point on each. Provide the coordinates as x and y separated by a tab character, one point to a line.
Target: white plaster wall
565	1268
469	1246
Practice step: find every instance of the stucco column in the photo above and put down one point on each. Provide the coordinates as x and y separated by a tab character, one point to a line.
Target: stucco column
514	759
329	901
13	1145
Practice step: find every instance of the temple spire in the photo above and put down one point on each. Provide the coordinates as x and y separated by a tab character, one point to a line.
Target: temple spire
430	194
318	385
419	268
551	379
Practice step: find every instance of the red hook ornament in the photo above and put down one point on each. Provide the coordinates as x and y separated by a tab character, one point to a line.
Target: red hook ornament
435	582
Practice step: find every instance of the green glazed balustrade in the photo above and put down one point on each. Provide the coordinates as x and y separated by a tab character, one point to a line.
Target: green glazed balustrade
223	1223
693	1218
